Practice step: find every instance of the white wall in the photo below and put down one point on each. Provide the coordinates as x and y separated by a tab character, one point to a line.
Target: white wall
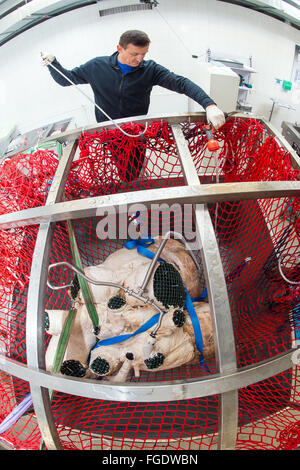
29	97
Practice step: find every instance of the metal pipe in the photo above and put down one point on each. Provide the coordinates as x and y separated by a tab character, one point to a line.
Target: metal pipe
206	193
128	291
154	391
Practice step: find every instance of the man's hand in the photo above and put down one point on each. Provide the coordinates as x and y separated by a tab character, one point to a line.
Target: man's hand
215	116
47	58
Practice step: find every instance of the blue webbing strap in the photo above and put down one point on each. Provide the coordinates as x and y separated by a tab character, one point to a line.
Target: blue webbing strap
118	339
153	320
196	325
141	246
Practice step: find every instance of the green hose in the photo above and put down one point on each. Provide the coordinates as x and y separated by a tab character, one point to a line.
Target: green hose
86	293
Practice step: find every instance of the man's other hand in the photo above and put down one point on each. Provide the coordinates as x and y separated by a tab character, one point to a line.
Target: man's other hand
215	116
47	58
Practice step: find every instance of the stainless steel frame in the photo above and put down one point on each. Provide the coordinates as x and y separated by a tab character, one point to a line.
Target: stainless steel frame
229	379
196	194
218	299
150	391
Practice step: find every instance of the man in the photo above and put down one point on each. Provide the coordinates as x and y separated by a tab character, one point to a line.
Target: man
122	82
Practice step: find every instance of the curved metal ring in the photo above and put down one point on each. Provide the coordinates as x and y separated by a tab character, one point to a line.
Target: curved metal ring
280	270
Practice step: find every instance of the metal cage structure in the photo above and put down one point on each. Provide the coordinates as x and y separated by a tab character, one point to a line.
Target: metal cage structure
246	220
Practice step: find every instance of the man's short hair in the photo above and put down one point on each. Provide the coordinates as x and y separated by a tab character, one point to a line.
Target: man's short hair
135	37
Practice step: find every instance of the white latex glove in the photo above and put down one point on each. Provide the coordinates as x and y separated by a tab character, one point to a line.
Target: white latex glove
47	58
215	116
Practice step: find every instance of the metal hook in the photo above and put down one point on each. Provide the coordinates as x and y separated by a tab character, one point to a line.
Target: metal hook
128	291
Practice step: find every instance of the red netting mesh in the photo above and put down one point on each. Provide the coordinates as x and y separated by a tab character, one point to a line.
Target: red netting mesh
25	433
25	180
111	162
252	237
290	437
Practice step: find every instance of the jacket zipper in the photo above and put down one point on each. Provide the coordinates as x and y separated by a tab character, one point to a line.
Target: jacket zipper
120	88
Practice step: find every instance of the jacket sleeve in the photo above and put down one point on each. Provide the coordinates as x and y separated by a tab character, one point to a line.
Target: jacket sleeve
164	78
78	75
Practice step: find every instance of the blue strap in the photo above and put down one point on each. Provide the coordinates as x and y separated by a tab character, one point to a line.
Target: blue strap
118	339
196	325
153	320
141	246
198	299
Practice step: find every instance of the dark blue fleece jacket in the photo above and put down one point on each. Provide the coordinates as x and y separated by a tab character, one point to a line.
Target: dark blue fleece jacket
122	96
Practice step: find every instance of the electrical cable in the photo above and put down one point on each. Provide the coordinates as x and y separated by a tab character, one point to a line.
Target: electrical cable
174	32
179	38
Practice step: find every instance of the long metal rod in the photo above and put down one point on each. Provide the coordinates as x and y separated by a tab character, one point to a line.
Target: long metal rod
171	119
36	306
195	194
222	324
151	391
157	254
73	134
218	300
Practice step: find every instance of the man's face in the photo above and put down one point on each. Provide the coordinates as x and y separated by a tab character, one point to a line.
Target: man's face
132	55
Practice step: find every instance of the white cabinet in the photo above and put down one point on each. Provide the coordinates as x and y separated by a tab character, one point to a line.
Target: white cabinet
219	82
245	85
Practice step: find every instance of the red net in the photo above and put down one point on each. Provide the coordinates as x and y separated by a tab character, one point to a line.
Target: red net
25	433
111	161
290	437
25	180
259	247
